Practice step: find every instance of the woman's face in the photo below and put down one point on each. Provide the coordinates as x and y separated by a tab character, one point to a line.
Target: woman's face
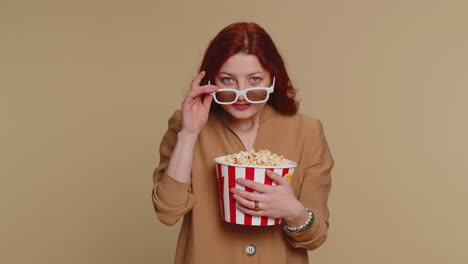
242	71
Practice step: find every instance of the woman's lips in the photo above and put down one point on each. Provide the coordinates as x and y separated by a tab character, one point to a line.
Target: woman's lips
241	106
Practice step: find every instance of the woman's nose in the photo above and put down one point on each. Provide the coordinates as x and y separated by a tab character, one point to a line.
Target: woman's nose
240	87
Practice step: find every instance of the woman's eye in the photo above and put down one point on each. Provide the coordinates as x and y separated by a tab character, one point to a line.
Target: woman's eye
256	79
226	79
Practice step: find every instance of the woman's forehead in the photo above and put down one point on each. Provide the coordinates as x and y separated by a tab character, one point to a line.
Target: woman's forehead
242	65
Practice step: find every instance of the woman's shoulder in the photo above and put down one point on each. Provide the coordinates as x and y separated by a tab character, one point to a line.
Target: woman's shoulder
304	121
305	118
310	122
175	121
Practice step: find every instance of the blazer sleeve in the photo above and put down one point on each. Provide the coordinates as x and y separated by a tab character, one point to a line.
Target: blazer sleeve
171	199
314	193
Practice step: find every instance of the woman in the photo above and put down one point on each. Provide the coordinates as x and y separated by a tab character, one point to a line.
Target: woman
243	56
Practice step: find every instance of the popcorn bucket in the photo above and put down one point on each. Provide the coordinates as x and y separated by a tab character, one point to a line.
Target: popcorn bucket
228	173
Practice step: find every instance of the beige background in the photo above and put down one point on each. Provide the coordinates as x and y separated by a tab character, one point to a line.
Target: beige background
87	87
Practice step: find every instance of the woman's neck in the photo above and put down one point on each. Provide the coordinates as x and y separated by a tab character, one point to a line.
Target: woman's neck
245	125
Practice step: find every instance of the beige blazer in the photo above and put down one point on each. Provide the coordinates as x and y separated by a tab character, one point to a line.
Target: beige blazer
204	237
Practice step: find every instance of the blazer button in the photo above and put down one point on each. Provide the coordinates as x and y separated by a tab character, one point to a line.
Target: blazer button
250	250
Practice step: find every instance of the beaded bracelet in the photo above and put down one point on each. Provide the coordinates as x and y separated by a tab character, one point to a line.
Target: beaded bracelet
306	225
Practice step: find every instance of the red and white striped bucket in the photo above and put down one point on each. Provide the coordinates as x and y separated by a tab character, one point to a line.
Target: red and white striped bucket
227	175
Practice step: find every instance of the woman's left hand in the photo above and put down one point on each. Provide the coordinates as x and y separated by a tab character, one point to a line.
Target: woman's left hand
273	201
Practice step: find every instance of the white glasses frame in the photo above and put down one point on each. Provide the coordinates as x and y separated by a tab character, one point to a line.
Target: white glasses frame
244	93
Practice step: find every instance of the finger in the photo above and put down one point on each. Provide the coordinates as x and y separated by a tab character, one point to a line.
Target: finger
247	195
202	90
248	211
256	186
280	180
207	102
244	202
197	80
194	97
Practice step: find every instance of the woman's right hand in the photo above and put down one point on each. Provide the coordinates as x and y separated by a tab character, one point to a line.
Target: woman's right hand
195	111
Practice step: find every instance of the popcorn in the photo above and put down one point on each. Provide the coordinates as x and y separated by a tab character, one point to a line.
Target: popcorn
260	158
252	166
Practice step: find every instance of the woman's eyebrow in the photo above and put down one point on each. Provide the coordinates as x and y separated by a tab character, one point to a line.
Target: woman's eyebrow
250	74
255	73
226	73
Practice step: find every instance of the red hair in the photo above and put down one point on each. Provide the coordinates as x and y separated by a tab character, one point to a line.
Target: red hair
251	39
